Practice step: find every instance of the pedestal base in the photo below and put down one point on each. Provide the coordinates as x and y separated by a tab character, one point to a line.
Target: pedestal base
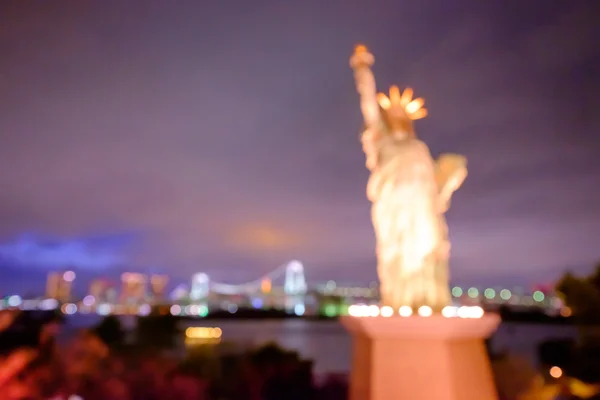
421	358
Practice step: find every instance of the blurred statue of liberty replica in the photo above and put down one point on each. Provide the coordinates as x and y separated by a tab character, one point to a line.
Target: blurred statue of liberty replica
409	191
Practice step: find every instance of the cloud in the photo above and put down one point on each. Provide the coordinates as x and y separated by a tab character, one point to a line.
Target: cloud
99	253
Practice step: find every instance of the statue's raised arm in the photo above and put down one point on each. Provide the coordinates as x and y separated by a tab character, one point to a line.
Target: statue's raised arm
361	62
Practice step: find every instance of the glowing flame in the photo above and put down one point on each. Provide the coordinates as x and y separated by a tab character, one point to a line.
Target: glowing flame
360	48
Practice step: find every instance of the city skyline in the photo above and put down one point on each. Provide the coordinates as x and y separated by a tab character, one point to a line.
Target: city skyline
140	288
81	283
198	139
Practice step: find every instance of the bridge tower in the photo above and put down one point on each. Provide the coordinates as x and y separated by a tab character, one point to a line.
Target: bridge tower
295	287
295	283
200	287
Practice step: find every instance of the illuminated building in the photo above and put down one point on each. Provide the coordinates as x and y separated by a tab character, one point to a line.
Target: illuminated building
97	288
102	290
111	295
52	285
64	291
158	285
200	286
133	288
58	286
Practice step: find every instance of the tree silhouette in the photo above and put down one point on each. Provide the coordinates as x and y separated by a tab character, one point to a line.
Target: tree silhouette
110	331
582	296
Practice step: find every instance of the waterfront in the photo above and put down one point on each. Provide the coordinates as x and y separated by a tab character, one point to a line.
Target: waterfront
329	346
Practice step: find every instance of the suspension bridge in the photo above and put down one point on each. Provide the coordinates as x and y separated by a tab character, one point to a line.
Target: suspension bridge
292	273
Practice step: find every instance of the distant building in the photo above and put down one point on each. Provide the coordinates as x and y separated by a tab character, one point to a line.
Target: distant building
133	288
102	290
200	286
158	286
52	285
58	286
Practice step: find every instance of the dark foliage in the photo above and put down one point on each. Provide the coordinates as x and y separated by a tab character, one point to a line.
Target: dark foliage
582	295
558	352
110	331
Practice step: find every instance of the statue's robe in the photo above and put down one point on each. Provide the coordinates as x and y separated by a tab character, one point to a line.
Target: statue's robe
408	216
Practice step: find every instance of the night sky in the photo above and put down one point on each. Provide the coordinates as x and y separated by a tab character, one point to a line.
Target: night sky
224	136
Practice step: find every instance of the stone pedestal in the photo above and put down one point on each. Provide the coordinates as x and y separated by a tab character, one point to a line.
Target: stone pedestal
421	358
